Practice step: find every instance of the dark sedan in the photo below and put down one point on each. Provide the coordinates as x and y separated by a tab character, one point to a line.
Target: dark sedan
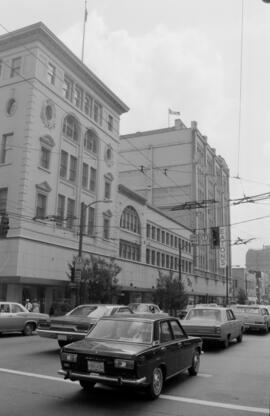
139	351
75	324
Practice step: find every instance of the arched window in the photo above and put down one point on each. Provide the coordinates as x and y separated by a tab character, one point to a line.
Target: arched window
130	220
71	128
91	141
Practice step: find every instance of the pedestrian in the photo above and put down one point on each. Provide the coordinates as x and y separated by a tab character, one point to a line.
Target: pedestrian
36	306
28	305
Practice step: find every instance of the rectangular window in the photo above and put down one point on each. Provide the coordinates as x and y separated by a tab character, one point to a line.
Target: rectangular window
158	259
97	113
163	260
93	179
73	168
167	239
91	221
163	237
88	104
167	261
147	256
175	242
45	157
85	175
3	200
70	213
153	257
41	206
158	234
148	230
68	88
15	67
3	149
110	122
107	192
60	210
51	73
78	97
171	239
153	233
63	164
106	228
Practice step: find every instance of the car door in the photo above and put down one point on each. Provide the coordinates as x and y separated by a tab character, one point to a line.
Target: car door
185	350
234	326
169	348
5	317
17	319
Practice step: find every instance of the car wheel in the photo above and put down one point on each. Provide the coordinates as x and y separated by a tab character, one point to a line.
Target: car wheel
194	369
63	343
87	385
28	329
156	385
226	342
240	337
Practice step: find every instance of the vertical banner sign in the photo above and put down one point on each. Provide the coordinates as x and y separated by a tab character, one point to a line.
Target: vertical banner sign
222	248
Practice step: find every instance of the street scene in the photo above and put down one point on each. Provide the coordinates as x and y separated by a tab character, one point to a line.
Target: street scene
134	207
29	381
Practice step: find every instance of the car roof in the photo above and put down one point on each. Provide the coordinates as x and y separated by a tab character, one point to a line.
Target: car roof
102	304
217	308
139	317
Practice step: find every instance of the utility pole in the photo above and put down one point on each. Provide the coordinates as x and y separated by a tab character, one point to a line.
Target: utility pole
180	261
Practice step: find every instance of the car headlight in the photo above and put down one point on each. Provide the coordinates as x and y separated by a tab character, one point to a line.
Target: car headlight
127	364
42	323
68	356
217	329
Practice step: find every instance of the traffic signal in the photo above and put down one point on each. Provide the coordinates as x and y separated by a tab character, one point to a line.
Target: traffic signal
4	226
215	239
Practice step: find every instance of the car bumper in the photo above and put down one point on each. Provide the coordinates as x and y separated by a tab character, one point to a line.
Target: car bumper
63	336
73	376
255	327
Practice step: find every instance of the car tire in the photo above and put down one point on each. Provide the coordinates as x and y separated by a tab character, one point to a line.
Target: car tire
194	369
226	342
87	385
62	343
28	329
156	385
240	337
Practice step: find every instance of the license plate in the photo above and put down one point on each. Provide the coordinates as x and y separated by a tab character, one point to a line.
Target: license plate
95	366
62	337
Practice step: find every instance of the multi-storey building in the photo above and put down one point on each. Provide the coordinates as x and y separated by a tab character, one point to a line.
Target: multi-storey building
258	261
176	170
243	279
59	137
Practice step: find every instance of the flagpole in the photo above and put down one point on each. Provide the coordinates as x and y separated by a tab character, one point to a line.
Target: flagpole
84	24
168	117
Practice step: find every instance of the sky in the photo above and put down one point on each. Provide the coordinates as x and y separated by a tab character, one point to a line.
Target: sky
207	59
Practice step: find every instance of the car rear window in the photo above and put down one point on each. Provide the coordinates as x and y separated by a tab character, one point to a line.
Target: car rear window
88	310
211	314
243	309
122	330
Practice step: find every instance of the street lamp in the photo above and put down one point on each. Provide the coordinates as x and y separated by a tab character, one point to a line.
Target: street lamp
78	261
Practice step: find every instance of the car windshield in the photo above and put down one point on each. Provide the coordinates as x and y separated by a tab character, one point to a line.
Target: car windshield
122	330
208	314
94	311
243	309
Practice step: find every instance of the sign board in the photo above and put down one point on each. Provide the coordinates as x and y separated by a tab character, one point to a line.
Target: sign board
78	263
77	277
222	248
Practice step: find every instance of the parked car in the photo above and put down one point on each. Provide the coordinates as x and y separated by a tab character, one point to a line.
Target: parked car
14	317
137	350
213	324
144	308
75	324
254	317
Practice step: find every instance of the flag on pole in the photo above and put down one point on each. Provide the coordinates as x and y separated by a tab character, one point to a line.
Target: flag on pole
174	113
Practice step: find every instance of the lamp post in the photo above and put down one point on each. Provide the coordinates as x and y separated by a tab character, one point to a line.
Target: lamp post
79	262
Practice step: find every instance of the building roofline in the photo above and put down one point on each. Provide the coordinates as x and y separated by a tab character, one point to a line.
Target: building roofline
29	33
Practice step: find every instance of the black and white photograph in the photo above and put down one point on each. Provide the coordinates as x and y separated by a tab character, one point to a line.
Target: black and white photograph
134	207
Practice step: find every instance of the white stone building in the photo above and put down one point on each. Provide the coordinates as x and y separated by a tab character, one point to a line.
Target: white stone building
59	137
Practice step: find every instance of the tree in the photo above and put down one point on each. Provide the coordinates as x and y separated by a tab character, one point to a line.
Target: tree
98	279
170	293
241	296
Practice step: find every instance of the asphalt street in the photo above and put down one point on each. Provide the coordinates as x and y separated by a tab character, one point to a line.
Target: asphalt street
234	381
